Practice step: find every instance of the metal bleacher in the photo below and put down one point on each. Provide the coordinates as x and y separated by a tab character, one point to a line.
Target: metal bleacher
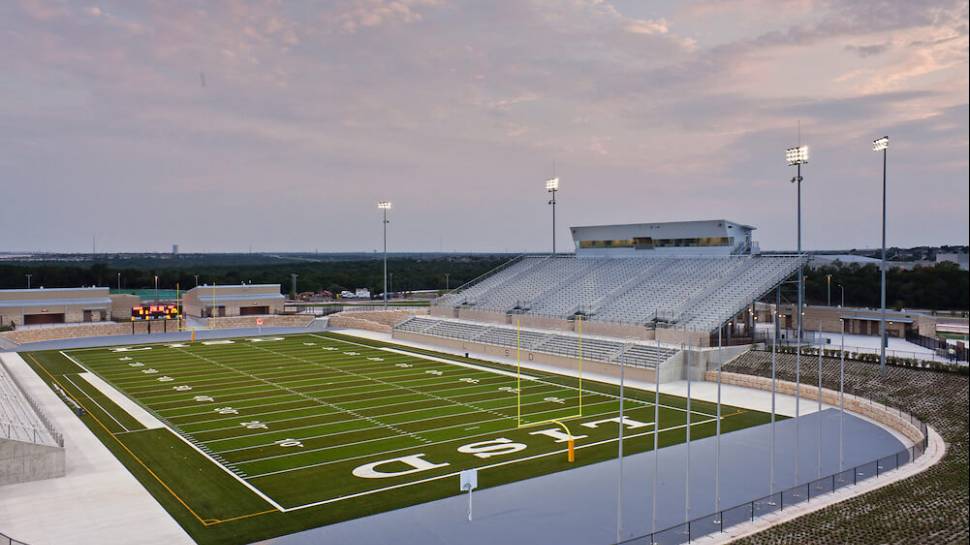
20	418
559	344
698	292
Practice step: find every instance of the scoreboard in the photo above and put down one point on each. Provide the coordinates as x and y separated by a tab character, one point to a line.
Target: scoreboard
154	312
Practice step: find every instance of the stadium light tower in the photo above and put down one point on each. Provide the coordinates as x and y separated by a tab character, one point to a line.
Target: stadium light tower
384	206
552	186
797	157
882	144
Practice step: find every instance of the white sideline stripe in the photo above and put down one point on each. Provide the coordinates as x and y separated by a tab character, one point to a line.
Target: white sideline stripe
535	379
414	355
85	394
257	406
127	405
491	466
376	439
458	363
244	482
305	407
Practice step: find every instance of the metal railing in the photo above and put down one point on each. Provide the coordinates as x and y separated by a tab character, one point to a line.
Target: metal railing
778	501
48	425
864	353
7	540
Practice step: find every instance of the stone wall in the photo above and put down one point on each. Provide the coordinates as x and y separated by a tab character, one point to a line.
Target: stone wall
103	329
381	321
22	462
248	322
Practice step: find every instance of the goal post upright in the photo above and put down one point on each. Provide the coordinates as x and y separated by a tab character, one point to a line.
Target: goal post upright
518	373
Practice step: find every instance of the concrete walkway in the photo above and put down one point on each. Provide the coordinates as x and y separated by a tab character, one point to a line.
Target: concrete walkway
97	502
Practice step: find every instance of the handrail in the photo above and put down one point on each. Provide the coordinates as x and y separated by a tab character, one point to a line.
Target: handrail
7	540
480	277
55	435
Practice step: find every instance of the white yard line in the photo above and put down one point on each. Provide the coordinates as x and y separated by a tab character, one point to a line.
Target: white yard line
119	399
462	425
228	471
91	399
491	466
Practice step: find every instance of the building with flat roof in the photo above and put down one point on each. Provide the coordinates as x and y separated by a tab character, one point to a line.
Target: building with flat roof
232	300
54	306
673	238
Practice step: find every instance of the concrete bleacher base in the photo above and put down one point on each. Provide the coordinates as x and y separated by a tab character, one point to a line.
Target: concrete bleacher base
22	462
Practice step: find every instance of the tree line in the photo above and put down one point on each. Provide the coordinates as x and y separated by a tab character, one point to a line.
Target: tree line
941	287
404	274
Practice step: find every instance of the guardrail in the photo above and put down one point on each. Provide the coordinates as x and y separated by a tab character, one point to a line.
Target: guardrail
778	501
7	540
48	426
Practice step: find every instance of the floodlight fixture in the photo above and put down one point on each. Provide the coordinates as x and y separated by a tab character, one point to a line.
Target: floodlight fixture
797	155
552	186
880	144
384	205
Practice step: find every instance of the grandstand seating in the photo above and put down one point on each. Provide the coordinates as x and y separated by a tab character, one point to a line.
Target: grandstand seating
19	419
560	344
699	293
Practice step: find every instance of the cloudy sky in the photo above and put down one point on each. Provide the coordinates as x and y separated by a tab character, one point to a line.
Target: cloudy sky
220	125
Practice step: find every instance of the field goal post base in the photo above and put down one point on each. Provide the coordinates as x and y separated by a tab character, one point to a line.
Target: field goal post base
571	441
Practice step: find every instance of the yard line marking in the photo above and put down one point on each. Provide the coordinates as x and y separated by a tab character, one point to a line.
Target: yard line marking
392	384
320	436
355	443
317	400
535	379
105	411
217	390
306	407
455	473
193	446
481	390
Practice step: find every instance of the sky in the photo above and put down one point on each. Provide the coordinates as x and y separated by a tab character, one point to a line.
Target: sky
277	126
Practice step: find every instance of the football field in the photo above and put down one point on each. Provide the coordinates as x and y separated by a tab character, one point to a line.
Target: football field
309	422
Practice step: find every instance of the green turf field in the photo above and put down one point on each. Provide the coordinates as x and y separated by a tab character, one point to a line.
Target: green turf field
276	434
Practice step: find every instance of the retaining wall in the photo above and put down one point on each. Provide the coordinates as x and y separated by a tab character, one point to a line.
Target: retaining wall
886	416
21	462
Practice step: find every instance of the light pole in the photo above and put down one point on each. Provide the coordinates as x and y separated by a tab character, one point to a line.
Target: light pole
797	157
619	457
28	275
882	144
156	288
828	288
196	280
552	186
384	206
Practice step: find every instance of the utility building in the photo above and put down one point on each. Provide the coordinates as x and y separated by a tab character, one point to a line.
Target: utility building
232	300
54	306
